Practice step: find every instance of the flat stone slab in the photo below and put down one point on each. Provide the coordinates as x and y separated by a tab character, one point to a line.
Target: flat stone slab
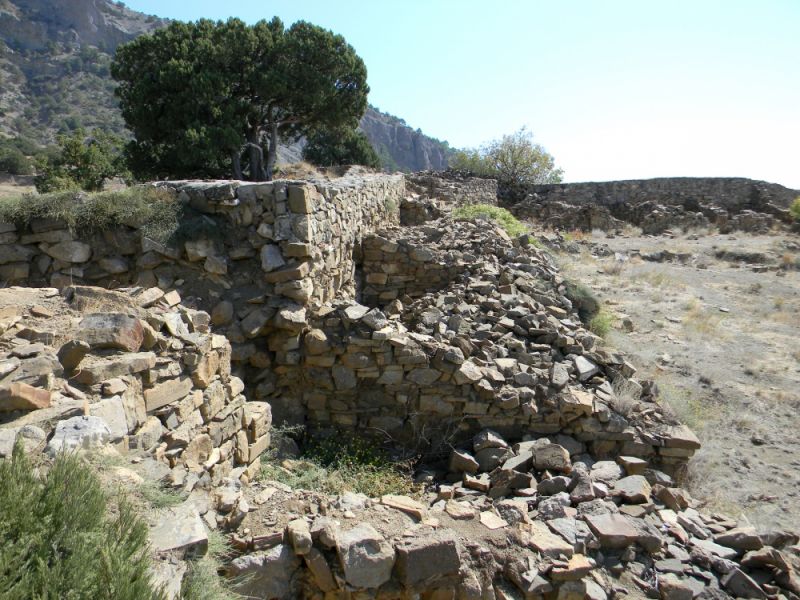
612	530
180	530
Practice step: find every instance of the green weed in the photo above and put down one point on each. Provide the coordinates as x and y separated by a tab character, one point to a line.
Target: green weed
505	219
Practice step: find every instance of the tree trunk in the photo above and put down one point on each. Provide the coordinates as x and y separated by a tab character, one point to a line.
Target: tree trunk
272	151
256	156
237	165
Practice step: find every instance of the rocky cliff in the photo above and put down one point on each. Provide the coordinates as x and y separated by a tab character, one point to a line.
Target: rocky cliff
54	75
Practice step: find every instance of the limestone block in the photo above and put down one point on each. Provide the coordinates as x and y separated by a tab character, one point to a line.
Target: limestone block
21	396
70	251
167	392
112	330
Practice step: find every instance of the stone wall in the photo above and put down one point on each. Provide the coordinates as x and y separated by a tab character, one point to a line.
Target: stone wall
474	332
134	368
453	187
286	239
655	204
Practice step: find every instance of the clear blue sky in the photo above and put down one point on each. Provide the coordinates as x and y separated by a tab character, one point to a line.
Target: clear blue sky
614	89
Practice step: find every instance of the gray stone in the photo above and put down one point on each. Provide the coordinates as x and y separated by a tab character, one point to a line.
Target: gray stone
586	369
79	432
462	462
366	557
112	412
425	558
180	531
111	330
488	439
70	251
551	457
634	489
741	585
612	530
269	574
271	258
71	354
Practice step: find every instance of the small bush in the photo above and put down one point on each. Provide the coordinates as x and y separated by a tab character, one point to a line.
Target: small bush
486	211
202	581
58	540
794	209
601	323
583	299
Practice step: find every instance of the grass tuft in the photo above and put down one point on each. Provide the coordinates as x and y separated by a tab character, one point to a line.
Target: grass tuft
203	580
156	212
335	465
505	219
794	209
601	323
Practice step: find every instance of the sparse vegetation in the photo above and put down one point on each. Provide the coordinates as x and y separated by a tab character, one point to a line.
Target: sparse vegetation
513	160
794	209
505	219
202	581
58	538
83	161
601	323
334	465
155	211
583	299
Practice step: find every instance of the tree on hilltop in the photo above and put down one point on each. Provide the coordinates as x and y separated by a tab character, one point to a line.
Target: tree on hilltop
513	160
215	98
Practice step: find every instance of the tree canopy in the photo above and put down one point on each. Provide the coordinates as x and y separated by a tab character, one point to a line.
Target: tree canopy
215	98
343	147
513	160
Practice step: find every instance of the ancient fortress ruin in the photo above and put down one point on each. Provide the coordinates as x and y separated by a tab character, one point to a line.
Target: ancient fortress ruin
358	304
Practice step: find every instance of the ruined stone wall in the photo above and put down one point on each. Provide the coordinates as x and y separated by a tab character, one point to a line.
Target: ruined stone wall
134	368
655	204
453	187
286	239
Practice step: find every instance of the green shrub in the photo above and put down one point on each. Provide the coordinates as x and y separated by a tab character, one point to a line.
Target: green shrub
14	162
486	211
583	299
794	209
59	540
601	323
202	581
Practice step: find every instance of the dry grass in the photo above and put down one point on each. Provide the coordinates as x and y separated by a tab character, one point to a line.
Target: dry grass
684	406
699	320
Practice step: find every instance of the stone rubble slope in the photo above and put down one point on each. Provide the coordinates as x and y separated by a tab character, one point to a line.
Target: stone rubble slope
548	521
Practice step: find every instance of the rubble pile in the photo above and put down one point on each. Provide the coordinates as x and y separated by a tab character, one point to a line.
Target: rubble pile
539	518
470	329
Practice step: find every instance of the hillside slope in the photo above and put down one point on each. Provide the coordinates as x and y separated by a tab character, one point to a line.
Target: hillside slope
54	76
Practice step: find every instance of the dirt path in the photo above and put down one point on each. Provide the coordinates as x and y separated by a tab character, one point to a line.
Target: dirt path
723	343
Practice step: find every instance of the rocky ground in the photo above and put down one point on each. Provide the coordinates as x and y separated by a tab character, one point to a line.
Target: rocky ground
714	319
